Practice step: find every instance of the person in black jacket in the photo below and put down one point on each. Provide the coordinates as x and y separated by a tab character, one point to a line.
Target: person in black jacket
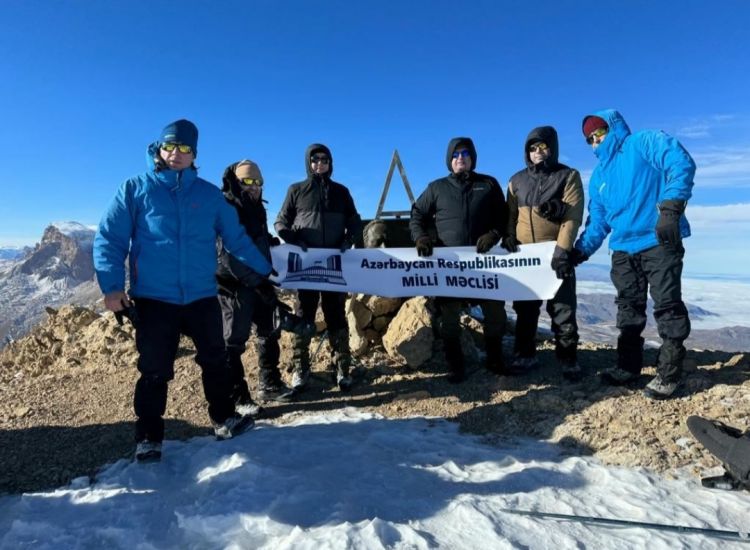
245	298
320	213
467	208
545	203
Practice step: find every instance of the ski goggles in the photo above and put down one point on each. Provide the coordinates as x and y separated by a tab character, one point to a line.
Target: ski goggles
251	181
538	147
462	153
599	132
181	147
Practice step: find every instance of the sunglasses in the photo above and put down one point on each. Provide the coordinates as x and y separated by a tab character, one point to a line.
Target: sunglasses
251	181
181	147
319	158
538	148
599	132
463	153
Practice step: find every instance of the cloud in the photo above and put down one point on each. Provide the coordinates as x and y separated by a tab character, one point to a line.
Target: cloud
725	167
702	127
695	131
719	217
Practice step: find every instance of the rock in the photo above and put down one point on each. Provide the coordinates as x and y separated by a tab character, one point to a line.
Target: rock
358	342
359	312
409	337
739	360
381	323
20	412
382	306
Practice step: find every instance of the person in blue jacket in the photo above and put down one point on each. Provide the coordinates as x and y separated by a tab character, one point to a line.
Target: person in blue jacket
637	195
166	223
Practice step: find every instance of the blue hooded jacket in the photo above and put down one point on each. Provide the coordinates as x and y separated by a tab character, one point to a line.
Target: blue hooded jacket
636	172
167	223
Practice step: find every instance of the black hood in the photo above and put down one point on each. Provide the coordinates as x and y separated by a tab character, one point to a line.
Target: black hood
453	145
548	135
318	148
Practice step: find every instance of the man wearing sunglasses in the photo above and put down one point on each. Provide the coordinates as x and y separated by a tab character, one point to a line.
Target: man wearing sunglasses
637	195
545	203
320	213
467	209
166	222
245	297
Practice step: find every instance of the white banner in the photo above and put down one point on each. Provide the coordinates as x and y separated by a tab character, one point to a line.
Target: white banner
458	272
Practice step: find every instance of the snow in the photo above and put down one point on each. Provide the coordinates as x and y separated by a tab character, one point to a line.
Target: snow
76	230
348	479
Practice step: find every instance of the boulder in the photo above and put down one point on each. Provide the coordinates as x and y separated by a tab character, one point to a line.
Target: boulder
382	306
409	337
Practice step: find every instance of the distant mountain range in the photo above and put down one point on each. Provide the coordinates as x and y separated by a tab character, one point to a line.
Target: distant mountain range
597	314
14	252
58	270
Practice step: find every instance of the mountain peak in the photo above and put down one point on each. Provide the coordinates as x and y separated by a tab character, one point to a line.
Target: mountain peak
73	230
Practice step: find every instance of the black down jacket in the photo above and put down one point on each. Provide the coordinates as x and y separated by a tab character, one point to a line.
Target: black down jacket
318	210
463	206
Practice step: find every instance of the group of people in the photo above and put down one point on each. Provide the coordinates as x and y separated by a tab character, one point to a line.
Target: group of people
183	238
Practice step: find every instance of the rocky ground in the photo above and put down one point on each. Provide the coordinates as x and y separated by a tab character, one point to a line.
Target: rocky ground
67	389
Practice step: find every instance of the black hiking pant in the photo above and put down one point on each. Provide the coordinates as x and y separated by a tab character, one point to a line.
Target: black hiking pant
494	322
241	309
562	313
333	305
657	270
157	336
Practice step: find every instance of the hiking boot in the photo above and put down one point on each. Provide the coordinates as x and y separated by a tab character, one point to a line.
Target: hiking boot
343	379
148	451
248	407
571	370
300	376
659	389
233	426
274	392
617	376
494	360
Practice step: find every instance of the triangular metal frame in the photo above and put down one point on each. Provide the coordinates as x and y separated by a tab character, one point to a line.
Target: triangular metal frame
395	161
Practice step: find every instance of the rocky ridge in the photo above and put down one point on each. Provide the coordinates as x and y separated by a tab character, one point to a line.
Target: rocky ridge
58	270
67	392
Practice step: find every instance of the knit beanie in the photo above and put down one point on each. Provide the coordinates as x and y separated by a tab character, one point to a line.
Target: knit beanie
181	131
247	169
591	123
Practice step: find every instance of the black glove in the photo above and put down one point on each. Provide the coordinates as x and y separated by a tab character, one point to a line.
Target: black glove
424	246
487	241
552	210
346	245
129	312
668	225
577	257
562	263
510	243
266	292
274	241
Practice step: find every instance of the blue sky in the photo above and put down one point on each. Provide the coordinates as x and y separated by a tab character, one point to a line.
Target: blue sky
85	86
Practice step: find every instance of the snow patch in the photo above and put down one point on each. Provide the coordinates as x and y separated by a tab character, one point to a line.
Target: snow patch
346	479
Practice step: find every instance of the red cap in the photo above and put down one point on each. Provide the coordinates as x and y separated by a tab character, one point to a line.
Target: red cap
591	123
